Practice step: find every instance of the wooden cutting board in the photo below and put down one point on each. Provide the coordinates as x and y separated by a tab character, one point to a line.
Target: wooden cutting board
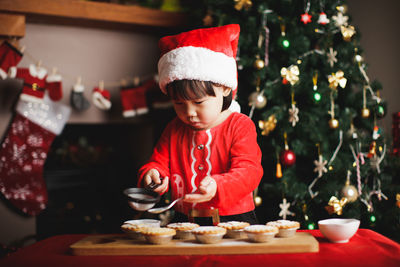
122	245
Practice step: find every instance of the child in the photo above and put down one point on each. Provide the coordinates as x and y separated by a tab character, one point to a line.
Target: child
208	154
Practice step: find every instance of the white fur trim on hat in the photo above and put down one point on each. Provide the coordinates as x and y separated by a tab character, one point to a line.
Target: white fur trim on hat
235	107
197	63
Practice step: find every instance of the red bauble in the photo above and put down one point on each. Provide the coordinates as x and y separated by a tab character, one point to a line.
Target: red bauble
288	157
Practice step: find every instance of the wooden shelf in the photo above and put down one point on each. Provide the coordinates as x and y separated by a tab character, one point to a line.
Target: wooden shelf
88	13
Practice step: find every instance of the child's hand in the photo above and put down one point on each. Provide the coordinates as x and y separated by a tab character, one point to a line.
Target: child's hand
154	176
207	190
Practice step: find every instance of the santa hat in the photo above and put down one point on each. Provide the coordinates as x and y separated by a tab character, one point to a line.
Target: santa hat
207	54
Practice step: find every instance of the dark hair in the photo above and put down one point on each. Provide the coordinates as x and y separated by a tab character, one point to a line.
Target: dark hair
183	89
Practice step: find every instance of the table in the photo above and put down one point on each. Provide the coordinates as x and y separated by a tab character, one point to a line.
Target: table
366	248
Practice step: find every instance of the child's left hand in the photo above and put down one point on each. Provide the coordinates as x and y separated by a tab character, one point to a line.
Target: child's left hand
206	191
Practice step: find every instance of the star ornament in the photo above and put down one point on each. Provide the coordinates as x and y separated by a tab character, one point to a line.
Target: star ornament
340	20
285	209
332	56
305	18
293	115
320	166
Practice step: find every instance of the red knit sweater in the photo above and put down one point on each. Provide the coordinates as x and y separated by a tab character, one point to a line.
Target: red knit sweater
229	153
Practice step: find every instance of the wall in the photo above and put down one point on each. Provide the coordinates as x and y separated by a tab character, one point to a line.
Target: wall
97	54
380	39
93	53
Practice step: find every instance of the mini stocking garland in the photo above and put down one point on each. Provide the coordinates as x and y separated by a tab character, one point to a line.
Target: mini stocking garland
101	97
77	98
9	57
24	152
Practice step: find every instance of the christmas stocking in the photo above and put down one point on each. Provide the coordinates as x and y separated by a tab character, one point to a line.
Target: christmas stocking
101	98
133	99
24	152
77	99
9	57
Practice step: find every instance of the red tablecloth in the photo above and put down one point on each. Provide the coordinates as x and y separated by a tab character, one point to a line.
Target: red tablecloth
366	248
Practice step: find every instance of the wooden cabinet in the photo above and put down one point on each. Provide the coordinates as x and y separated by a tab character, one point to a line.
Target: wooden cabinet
86	13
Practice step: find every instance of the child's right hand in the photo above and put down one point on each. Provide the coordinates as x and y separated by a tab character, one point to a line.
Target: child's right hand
154	176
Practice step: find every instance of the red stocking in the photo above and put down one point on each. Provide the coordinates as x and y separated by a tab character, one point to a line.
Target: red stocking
24	152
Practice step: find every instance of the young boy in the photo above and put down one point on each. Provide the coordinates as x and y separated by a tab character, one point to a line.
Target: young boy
208	154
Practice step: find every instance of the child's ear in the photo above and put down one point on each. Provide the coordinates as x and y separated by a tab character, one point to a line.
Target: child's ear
226	91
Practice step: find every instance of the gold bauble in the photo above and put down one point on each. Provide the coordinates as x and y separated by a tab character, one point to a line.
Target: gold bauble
257	201
258	100
258	64
333	123
350	192
365	113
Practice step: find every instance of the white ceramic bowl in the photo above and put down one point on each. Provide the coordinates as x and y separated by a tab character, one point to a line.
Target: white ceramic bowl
338	230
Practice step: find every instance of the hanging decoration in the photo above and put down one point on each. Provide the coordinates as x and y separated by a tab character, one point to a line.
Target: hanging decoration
337	79
291	74
257	99
376	160
320	164
240	4
380	109
372	149
352	131
278	173
331	56
266	42
335	205
359	159
317	95
293	112
314	194
77	98
323	18
283	40
349	191
340	19
305	17
284	206
333	122
347	32
398	200
288	157
268	125
365	112
101	97
258	63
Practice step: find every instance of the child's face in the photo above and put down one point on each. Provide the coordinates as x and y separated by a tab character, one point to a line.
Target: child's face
203	113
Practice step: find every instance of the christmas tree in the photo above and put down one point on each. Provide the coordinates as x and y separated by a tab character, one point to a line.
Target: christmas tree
304	82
